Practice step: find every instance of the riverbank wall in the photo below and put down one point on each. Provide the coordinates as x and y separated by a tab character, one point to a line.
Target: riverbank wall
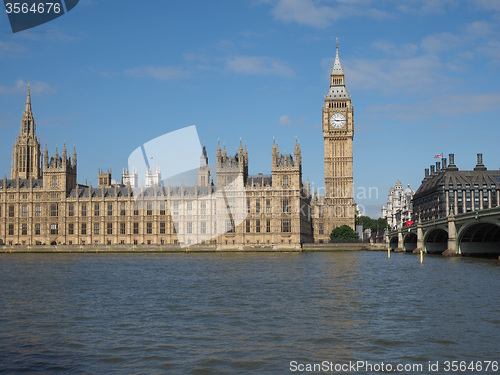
310	247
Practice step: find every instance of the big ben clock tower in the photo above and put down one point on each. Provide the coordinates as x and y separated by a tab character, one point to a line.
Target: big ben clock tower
338	134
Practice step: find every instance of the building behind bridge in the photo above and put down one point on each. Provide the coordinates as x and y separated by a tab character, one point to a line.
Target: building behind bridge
447	190
399	208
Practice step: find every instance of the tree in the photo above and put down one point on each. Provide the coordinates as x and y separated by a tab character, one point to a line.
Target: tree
344	232
374	225
382	223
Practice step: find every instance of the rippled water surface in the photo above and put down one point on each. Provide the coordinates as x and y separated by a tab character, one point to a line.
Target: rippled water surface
242	313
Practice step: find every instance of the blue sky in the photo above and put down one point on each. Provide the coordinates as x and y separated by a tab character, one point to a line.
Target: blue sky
109	76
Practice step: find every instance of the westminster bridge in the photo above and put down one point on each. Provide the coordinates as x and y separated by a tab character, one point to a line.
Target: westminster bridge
470	233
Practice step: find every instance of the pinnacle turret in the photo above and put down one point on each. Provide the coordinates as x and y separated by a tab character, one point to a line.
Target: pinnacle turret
297	147
45	158
203	157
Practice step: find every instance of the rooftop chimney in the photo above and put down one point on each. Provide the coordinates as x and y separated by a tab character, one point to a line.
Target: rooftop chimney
438	166
480	166
432	169
452	166
426	172
444	163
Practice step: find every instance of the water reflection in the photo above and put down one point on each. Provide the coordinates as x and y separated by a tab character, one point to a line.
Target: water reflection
242	313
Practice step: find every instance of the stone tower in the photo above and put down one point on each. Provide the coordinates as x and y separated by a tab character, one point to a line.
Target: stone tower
286	168
338	134
59	173
130	178
104	178
26	150
230	168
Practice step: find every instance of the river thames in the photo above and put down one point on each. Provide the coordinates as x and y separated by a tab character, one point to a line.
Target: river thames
247	313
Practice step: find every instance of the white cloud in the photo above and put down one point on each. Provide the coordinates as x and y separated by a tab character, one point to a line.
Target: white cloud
469	103
449	105
49	34
305	12
21	86
257	65
442	42
9	49
390	49
322	13
284	120
390	76
431	66
486	4
422	7
160	73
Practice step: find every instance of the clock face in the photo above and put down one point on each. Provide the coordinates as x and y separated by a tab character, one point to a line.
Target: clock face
337	120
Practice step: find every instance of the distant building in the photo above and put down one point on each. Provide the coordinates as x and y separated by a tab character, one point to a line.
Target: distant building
446	189
399	207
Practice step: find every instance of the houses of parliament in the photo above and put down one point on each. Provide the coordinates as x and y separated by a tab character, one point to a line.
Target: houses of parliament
44	204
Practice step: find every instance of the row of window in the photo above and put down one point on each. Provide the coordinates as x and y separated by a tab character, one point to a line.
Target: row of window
476	186
54	209
25	196
54	228
286	227
285	206
337	105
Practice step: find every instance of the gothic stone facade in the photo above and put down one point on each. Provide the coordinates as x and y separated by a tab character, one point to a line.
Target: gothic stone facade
42	202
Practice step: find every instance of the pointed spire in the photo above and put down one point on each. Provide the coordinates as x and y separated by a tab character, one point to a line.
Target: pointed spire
27	121
28	100
337	68
219	154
